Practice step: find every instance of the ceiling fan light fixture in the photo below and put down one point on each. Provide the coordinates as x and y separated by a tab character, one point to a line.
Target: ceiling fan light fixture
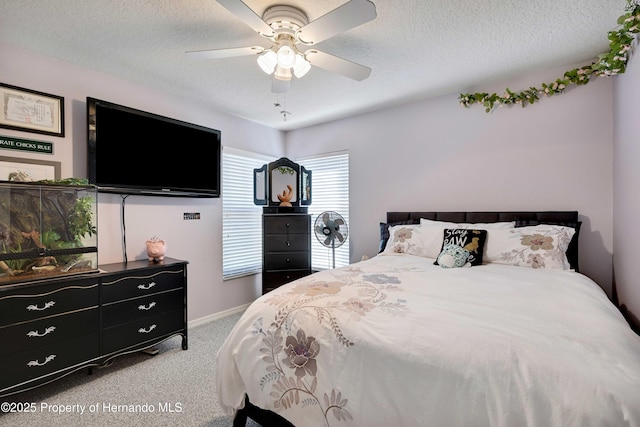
282	73
301	66
268	61
286	57
286	27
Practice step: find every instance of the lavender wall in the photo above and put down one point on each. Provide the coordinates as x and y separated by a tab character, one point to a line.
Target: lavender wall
626	182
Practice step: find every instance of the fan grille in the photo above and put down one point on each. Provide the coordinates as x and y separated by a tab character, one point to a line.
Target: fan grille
331	229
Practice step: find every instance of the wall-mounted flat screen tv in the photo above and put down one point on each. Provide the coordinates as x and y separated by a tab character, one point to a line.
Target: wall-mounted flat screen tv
136	152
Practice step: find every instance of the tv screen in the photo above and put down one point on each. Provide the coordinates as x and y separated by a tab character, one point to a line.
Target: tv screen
137	152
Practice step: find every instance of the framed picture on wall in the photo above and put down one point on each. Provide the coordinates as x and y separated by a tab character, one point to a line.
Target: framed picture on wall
31	111
16	169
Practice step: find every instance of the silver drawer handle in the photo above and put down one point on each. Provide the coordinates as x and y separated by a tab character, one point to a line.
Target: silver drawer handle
145	287
47	331
33	307
36	363
148	307
144	331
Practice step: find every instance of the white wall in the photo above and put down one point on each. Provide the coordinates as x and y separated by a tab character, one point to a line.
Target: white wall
197	241
626	182
436	155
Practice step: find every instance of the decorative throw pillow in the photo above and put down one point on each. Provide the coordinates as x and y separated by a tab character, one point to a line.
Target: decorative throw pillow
572	249
461	248
426	241
540	246
405	239
384	232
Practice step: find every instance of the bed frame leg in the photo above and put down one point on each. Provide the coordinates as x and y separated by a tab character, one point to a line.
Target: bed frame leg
263	417
240	419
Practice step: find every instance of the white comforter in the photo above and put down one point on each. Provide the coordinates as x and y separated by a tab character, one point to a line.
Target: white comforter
397	341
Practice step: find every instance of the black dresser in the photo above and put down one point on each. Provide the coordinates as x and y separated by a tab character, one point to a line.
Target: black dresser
286	248
52	327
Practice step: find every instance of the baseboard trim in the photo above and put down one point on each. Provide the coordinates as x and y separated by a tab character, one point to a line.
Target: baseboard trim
217	316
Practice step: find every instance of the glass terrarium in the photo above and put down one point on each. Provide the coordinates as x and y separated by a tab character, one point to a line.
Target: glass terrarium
46	230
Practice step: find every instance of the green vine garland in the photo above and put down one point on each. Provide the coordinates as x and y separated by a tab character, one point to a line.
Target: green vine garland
608	64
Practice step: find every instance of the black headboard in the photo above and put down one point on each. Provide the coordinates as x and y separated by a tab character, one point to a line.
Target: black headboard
522	218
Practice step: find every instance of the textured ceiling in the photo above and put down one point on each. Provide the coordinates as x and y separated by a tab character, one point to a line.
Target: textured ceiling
416	49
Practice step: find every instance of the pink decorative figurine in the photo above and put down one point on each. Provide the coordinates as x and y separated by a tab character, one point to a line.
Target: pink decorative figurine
156	249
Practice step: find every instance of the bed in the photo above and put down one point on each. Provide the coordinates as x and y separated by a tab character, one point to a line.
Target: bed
461	319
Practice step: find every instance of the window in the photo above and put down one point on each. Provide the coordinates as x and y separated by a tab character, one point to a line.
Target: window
330	192
241	218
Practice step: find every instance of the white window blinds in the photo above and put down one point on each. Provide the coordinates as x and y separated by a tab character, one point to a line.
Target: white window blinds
241	218
330	192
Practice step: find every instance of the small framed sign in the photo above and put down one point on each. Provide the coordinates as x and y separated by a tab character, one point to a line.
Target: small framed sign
31	111
17	169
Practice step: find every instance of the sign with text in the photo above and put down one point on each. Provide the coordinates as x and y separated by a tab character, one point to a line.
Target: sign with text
26	145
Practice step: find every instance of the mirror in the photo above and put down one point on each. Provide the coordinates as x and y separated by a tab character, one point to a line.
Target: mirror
260	185
282	183
305	186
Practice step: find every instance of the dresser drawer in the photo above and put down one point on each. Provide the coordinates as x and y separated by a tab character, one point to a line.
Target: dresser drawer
44	360
138	332
284	243
272	280
287	260
286	224
48	330
31	302
138	308
133	285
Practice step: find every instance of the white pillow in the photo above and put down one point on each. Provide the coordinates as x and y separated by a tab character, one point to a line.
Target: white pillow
431	238
539	246
469	225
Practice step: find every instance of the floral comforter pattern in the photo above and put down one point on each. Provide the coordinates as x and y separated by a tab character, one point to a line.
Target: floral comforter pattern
398	341
289	350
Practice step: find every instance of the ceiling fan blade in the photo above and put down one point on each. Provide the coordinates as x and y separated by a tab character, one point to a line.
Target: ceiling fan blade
226	53
339	20
248	16
337	65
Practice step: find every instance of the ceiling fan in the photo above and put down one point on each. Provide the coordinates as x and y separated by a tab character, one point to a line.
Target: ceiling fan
287	51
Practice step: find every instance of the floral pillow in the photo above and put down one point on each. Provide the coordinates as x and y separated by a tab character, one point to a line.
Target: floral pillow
405	239
540	246
384	232
461	248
